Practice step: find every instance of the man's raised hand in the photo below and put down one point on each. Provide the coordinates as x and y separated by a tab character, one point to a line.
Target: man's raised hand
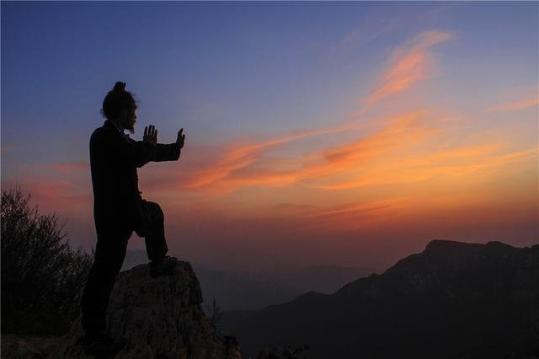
181	138
150	134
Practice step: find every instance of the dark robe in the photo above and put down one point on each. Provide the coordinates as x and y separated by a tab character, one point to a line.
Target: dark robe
114	159
118	211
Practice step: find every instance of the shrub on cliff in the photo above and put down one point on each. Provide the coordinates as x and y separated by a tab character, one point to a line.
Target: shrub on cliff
42	276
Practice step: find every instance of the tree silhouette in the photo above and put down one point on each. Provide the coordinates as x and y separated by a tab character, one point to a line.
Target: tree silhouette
42	276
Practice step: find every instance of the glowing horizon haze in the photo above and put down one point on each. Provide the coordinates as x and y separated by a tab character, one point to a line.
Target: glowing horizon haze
317	133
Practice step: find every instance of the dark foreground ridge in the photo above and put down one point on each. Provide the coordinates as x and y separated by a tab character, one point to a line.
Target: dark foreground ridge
453	300
159	318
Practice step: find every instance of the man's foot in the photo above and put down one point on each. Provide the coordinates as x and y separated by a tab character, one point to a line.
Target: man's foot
163	267
101	345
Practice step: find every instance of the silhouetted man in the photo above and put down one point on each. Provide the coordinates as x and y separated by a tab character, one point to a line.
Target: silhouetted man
119	210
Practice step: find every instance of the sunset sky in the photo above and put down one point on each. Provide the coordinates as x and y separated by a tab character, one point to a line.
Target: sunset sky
317	133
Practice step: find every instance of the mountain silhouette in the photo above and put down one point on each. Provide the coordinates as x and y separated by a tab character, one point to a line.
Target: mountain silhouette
237	290
453	300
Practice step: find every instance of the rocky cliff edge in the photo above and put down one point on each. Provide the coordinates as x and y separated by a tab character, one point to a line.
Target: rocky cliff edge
159	318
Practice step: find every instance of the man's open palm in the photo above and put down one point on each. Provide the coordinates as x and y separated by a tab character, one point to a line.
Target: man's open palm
181	138
150	134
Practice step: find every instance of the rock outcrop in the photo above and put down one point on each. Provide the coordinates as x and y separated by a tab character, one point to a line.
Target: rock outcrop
159	318
27	346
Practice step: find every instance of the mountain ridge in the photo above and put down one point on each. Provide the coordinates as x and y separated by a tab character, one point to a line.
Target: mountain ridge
451	299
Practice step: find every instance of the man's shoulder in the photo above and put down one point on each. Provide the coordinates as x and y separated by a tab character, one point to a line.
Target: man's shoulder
103	133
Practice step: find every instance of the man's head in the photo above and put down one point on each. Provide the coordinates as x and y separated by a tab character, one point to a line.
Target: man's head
119	106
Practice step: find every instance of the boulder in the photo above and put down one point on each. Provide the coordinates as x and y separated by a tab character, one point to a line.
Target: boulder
160	318
17	346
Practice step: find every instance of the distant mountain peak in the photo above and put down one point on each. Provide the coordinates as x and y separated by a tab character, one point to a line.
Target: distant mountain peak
445	245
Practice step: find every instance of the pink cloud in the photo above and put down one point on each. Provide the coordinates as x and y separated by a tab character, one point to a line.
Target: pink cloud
517	105
237	158
409	65
243	166
74	166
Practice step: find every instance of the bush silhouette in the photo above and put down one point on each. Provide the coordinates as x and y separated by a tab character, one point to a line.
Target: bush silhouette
42	276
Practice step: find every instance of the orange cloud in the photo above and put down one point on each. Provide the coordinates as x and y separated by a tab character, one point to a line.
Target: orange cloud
237	158
54	194
352	209
242	166
71	166
456	162
361	214
515	105
402	152
62	187
235	167
408	66
402	131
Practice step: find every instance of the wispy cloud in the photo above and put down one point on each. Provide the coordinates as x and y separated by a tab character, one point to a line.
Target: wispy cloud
243	166
409	65
233	168
367	32
239	165
460	162
236	158
517	105
351	209
401	152
54	194
400	132
361	214
61	187
74	166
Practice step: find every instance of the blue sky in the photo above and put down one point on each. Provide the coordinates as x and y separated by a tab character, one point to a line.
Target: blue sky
220	68
240	73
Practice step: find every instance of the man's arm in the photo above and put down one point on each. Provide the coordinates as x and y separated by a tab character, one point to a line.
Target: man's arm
171	151
167	152
107	147
139	152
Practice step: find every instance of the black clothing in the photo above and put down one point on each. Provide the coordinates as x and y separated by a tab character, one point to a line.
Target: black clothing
118	211
114	159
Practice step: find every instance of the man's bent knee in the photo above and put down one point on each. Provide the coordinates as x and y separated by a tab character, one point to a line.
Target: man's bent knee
155	211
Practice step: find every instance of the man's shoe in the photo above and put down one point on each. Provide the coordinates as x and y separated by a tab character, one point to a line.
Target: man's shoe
163	267
101	345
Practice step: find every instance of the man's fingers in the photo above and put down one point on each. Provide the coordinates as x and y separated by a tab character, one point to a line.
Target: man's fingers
155	135
145	131
181	136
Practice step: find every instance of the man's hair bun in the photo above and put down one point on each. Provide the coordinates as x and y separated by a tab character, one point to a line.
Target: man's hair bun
119	87
116	100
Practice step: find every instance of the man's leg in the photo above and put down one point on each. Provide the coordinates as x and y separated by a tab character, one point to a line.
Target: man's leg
154	236
153	232
109	256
